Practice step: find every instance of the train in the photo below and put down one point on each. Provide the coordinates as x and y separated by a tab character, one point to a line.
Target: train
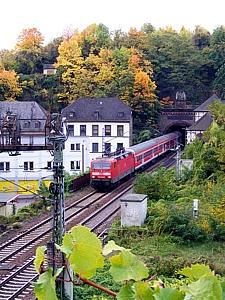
108	170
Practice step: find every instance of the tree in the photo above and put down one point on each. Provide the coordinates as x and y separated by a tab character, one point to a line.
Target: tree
9	86
50	51
29	39
201	37
179	65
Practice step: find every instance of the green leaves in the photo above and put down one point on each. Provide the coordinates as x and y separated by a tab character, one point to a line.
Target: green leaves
207	285
168	294
111	247
139	291
196	271
126	266
39	259
44	288
206	288
83	250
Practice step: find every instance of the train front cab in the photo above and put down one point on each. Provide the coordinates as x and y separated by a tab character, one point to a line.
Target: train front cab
101	175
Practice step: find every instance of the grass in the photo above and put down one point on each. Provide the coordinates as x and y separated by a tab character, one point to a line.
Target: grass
164	255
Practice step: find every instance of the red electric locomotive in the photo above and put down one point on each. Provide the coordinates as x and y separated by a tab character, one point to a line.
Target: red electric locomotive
108	170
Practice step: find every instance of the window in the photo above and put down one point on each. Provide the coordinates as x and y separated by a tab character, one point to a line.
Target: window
107	147
96	114
119	130
95	147
31	138
49	165
71	114
70	129
26	124
101	165
75	147
107	130
82	130
75	165
72	165
5	166
120	114
28	166
95	130
37	124
119	146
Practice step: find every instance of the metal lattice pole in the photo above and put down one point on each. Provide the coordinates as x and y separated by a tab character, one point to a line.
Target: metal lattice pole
56	189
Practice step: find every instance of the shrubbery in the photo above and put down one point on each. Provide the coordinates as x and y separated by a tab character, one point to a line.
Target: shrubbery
170	206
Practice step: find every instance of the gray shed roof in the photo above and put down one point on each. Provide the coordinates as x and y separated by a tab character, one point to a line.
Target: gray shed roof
7	197
204	105
26	111
97	109
202	124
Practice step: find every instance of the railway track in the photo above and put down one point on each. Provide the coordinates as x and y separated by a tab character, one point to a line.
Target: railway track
17	285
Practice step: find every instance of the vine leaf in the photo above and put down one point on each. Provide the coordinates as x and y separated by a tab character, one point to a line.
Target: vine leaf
126	293
139	291
126	266
169	294
207	287
110	248
143	291
196	271
44	288
39	258
83	250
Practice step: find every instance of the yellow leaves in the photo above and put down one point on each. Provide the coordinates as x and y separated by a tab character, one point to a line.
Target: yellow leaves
9	86
143	86
29	39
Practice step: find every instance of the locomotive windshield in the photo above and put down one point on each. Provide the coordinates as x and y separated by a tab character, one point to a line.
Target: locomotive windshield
101	165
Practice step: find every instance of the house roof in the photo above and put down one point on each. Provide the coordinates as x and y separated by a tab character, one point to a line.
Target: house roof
25	111
48	66
202	124
97	109
204	105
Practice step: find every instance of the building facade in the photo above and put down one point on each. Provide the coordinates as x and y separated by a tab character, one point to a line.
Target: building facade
27	168
95	126
202	118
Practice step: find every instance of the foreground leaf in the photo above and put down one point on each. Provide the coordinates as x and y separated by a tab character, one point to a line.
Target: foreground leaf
111	247
206	288
143	291
196	271
168	294
126	266
44	288
83	250
126	293
39	258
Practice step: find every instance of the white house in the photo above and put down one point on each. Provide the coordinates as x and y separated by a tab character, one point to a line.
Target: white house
202	119
49	69
95	126
28	168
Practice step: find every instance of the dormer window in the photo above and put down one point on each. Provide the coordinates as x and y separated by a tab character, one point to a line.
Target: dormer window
26	124
96	114
120	114
71	114
37	124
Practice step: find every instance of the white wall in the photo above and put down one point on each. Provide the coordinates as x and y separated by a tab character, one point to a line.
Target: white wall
86	143
191	135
